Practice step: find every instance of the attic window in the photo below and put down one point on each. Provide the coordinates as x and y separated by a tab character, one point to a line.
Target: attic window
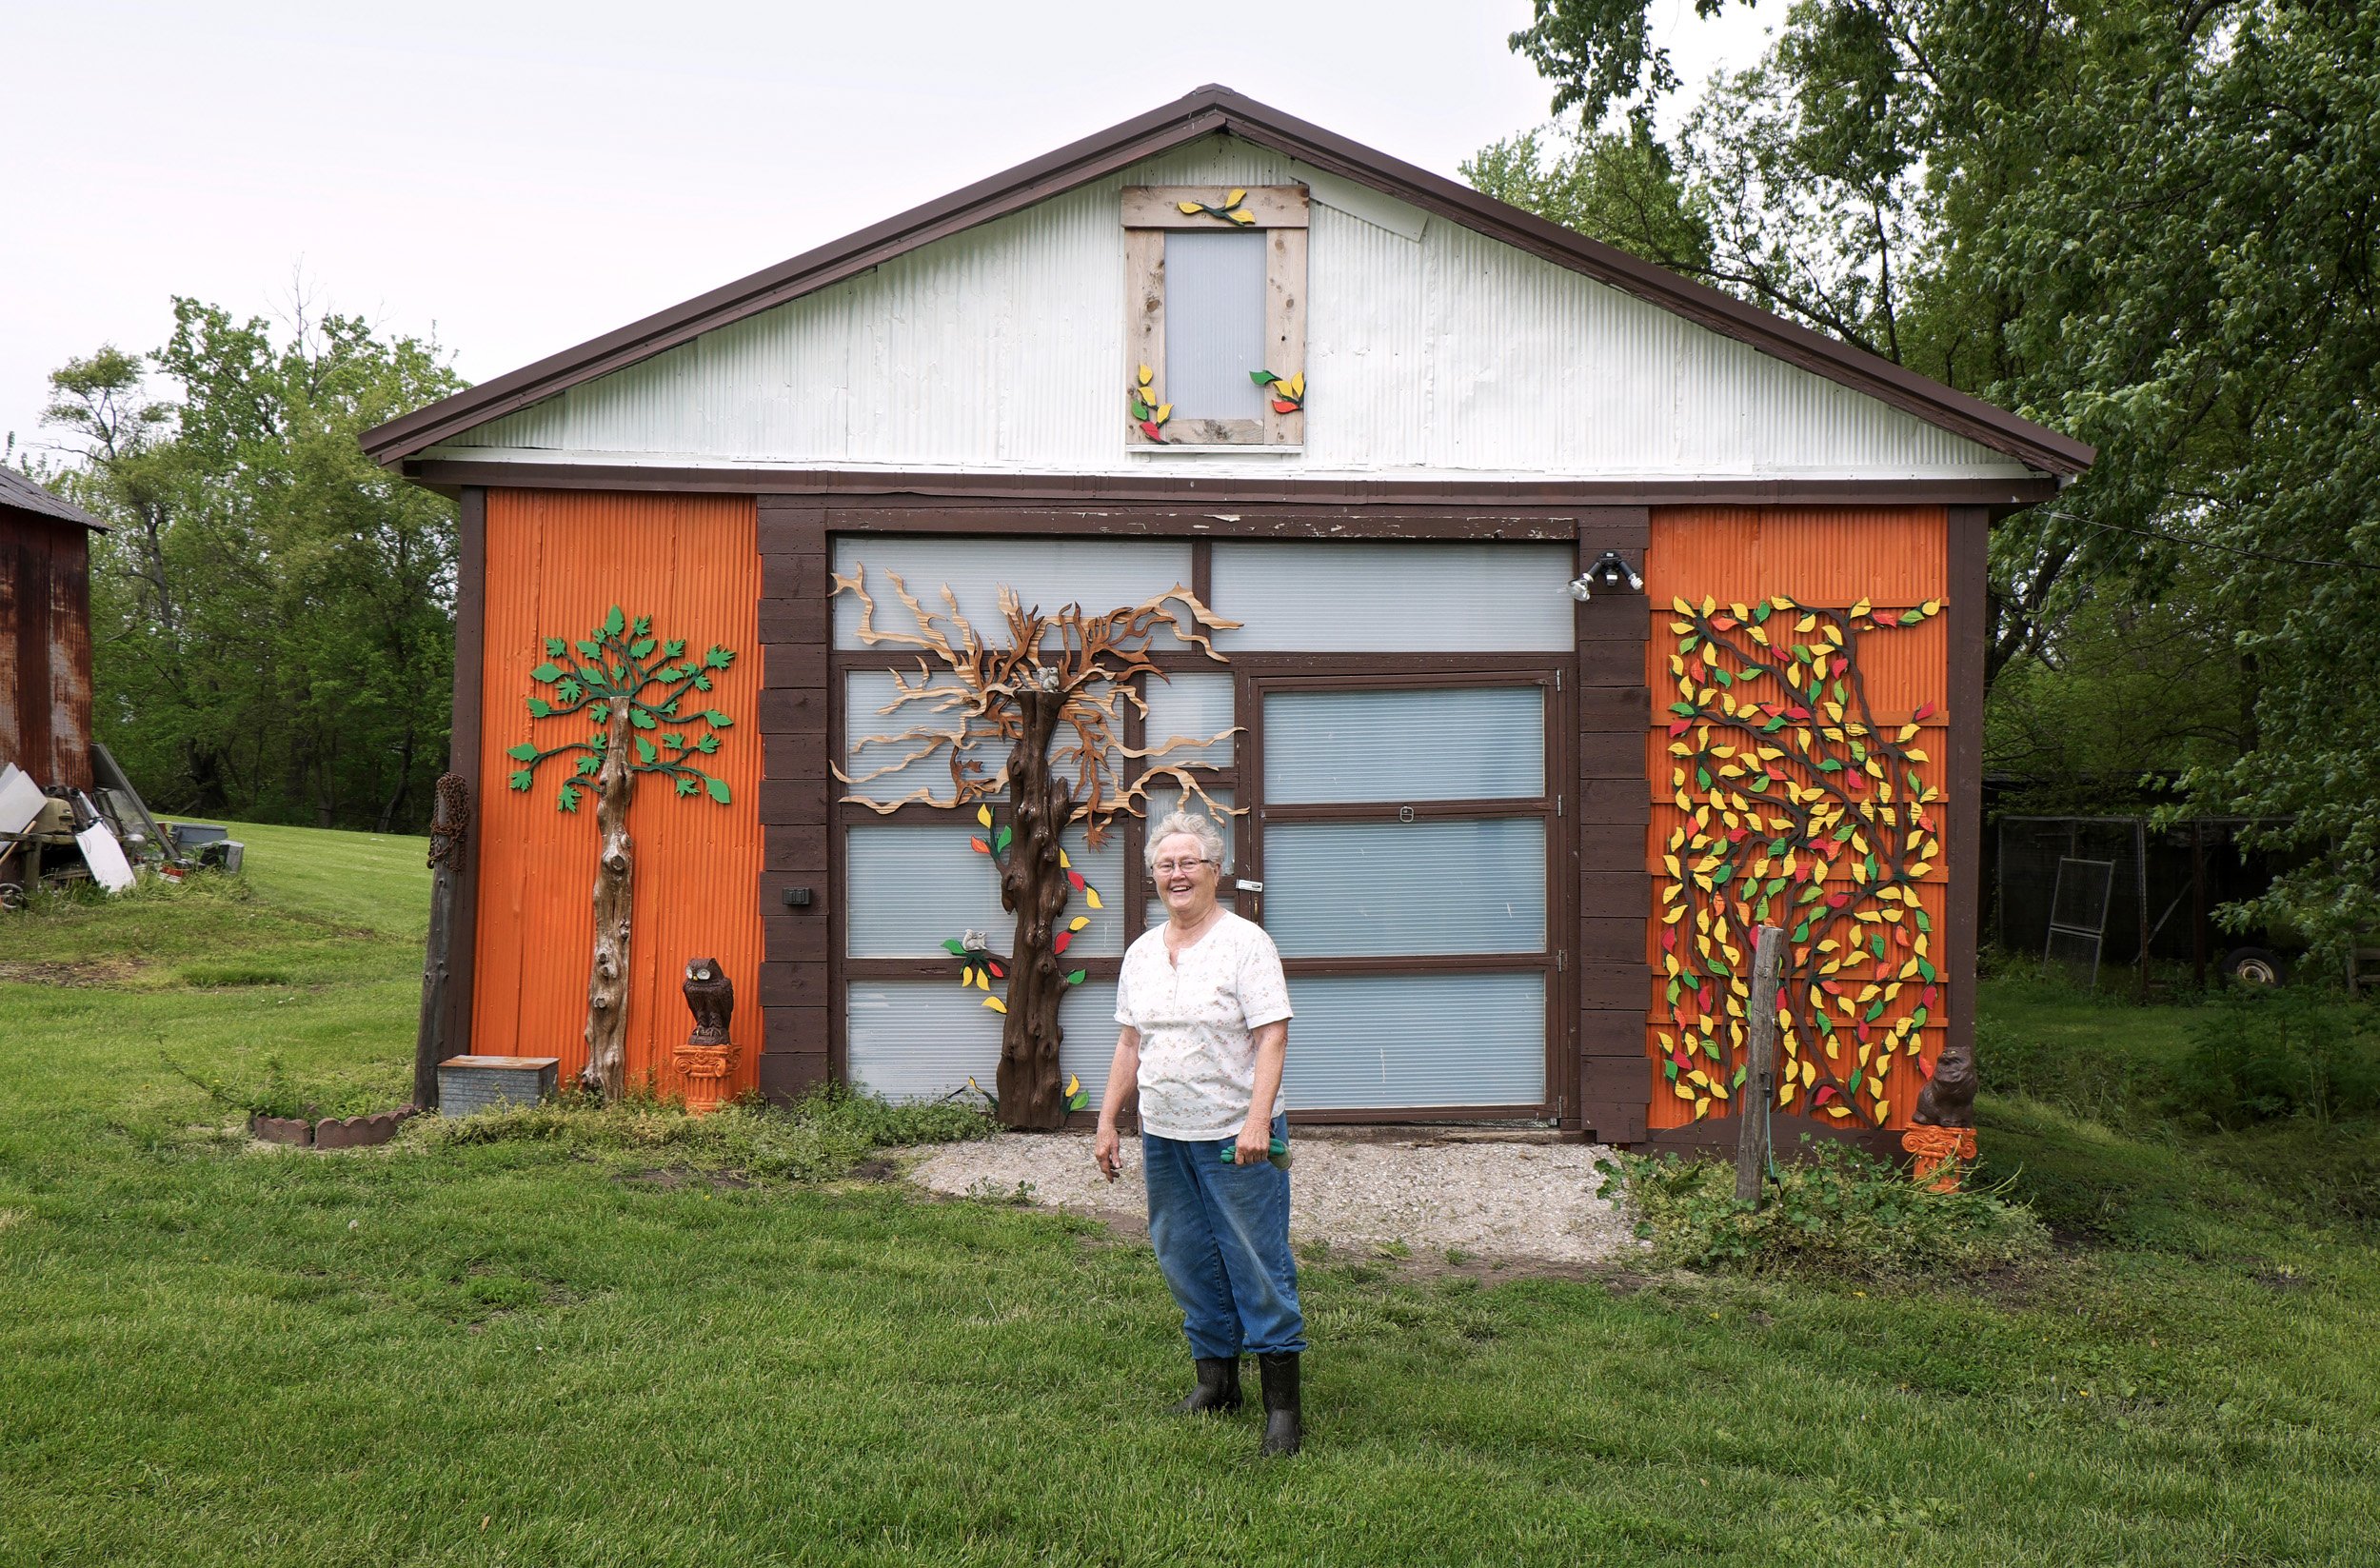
1215	342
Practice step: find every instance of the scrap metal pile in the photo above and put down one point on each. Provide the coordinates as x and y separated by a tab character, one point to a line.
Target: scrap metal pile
58	836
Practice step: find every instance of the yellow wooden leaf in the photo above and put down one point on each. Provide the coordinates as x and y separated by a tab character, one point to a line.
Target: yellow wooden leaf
1236	198
1074	1085
984	815
1165	412
1077	922
966	975
1091	895
1680	628
1918	756
1805	623
1297	385
1681	607
1240	215
1147	375
1930	606
984	980
1834	634
1063	861
1682	1091
996	1005
1860	608
1186	209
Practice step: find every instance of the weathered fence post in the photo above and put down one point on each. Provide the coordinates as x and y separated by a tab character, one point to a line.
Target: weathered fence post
450	824
1760	1090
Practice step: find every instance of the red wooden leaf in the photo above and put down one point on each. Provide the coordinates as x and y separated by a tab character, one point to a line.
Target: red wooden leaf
1669	939
1148	428
1076	878
1841	665
1929	996
1064	938
1925	711
1836	900
1724	623
997	970
1826	1091
981	847
1679	728
1281	406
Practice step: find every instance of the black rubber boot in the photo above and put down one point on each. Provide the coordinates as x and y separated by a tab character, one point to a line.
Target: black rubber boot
1284	1416
1219	1388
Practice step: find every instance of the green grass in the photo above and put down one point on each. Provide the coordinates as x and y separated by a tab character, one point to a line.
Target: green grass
602	1344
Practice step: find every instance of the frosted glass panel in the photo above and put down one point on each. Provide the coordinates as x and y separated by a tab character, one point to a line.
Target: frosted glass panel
1378	1041
1341	889
916	1040
1099	574
1194	706
1372	598
1476	744
909	887
1214	323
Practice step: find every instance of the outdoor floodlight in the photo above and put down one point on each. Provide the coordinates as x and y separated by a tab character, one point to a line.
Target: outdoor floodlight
1609	573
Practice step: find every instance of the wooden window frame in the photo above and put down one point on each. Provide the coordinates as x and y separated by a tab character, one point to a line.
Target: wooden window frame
1278	211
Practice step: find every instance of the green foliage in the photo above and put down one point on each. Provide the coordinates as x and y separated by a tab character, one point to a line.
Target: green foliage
2270	1055
1838	1211
616	664
821	1138
272	613
1619	188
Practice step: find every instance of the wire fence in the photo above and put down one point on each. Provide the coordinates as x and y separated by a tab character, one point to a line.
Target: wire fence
2103	898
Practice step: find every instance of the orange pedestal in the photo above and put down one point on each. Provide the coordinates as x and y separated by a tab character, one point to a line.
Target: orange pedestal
1939	1152
704	1069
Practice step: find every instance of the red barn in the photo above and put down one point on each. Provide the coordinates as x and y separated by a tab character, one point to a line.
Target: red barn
45	633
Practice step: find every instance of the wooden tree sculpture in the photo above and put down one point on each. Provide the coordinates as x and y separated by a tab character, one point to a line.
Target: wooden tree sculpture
634	690
1801	811
1052	695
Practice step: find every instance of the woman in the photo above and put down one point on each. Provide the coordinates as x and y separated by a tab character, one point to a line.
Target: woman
1205	1015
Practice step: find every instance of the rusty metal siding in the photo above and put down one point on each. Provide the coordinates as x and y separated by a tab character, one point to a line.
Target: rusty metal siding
1431	350
45	647
556	563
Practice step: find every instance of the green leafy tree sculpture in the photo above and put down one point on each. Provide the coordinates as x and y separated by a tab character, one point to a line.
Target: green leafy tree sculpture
636	693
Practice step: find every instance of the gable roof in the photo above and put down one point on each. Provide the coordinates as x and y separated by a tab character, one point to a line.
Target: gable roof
1211	111
21	494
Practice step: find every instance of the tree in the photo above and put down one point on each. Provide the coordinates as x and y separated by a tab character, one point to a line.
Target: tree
1052	694
631	686
272	614
2150	226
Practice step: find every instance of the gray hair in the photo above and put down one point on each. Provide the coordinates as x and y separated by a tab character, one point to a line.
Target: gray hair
1196	826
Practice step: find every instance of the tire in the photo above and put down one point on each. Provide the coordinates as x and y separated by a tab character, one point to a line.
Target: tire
2254	966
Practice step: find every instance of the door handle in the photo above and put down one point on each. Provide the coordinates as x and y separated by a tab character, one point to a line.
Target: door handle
1246	886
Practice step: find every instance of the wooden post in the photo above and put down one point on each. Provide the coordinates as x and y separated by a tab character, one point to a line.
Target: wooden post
449	826
1759	1091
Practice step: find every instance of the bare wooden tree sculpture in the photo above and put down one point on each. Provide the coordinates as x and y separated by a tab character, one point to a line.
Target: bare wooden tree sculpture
1069	673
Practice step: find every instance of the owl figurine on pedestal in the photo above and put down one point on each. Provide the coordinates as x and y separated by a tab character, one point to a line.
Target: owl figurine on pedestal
711	998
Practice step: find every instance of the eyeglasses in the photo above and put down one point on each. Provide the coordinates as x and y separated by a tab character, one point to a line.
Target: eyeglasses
1168	869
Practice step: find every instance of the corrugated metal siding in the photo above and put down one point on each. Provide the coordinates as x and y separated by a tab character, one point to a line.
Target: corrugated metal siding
1000	348
45	647
557	560
1834	557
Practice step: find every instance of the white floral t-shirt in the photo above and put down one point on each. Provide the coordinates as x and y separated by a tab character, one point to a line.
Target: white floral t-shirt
1197	1018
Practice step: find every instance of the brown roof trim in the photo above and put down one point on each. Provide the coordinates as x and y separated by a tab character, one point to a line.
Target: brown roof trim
952	489
1211	110
21	494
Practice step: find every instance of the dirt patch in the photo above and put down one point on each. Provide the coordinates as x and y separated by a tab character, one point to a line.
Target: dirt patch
80	972
1433	1202
874	1170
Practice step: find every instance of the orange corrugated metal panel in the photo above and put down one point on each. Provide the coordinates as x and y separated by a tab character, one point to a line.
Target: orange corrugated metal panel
557	561
1833	557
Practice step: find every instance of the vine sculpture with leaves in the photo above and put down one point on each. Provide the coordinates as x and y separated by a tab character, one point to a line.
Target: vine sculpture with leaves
1801	810
635	692
1067	675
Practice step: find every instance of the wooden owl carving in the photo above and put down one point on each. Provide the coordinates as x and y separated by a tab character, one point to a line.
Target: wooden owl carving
711	998
1949	1098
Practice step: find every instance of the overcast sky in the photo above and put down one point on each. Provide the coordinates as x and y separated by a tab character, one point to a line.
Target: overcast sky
519	177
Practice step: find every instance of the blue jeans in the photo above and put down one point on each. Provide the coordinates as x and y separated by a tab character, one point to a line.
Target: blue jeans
1221	1233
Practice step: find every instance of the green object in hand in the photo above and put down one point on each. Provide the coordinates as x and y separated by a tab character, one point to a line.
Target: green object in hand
1278	1154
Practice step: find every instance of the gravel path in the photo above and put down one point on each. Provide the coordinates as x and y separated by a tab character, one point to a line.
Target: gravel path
1482	1195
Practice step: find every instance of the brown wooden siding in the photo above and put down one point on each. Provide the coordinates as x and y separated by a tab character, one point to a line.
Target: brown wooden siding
45	647
796	980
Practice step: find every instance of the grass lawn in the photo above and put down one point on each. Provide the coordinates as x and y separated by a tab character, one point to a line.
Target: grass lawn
540	1353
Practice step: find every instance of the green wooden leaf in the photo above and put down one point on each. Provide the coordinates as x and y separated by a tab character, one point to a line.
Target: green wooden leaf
1925	922
1262	378
1760	612
1917	1017
644	752
1801	932
525	752
1829	765
1738	1082
639	648
1826	1024
590	651
615	622
1077	977
701	683
548	671
1141	409
601	714
569	690
570	796
707	744
1687	643
1925	968
716	719
1875	1010
671	707
1684	710
685	785
539	708
674	741
555	647
587	767
643	625
522	779
719	658
1000	841
672	648
954	947
643	720
1669	1070
718	788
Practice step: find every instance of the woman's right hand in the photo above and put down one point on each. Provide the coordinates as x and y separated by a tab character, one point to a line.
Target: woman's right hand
1107	1152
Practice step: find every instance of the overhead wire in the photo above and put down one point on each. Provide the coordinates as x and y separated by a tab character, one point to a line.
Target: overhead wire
2209	544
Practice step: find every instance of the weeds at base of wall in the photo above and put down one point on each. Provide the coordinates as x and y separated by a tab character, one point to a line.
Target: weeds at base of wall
821	1138
1841	1212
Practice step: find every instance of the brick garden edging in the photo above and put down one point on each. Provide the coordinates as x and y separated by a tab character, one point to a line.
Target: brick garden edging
331	1132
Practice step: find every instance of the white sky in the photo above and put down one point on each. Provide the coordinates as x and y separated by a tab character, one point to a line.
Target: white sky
520	177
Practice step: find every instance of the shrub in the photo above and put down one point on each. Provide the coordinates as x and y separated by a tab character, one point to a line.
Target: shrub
822	1137
2265	1056
2103	1082
1839	1211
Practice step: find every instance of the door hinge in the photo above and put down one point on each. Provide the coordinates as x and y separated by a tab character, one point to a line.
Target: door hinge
1557	805
1557	680
1561	959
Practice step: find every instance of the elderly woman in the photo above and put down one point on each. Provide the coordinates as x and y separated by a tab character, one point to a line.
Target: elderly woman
1205	1015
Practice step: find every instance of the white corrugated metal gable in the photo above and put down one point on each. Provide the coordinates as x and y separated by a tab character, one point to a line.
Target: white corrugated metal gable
1433	351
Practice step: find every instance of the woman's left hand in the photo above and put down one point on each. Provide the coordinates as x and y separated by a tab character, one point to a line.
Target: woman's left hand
1256	1144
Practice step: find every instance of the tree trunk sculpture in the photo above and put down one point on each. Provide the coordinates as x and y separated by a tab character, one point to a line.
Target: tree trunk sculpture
1034	888
606	1071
